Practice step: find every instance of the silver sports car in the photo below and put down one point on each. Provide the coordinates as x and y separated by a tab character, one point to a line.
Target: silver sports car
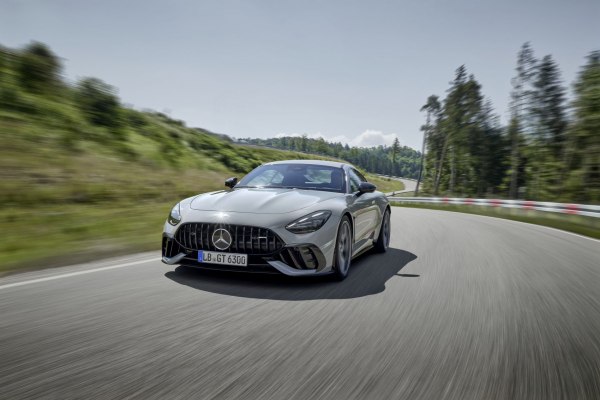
301	217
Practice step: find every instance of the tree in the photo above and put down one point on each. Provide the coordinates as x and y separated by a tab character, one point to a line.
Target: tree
39	68
451	122
546	142
583	161
432	107
99	103
304	143
462	108
521	98
395	149
549	106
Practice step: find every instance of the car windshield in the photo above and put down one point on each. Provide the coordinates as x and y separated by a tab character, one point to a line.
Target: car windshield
296	176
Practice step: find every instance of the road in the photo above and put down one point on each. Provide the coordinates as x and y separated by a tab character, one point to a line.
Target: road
409	185
461	307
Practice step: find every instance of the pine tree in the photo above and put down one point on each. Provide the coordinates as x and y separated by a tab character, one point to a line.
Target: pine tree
549	105
461	127
583	183
521	99
546	142
395	149
452	122
432	107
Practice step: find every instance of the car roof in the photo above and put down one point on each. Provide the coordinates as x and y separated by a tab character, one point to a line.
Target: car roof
335	164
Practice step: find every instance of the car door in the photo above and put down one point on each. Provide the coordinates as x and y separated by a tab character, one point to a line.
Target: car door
364	209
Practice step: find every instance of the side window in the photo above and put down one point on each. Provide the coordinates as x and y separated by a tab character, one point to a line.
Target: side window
361	176
354	180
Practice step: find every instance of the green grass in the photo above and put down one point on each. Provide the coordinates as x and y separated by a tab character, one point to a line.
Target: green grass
587	226
82	176
385	185
67	202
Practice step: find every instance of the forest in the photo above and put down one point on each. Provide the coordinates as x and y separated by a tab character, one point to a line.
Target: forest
387	160
549	150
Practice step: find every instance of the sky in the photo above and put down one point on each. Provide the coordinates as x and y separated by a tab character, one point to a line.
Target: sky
351	71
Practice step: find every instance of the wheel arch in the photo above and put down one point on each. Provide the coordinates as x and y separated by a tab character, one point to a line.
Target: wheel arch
349	215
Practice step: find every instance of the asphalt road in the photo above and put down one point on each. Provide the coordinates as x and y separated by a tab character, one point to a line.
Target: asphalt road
409	185
462	307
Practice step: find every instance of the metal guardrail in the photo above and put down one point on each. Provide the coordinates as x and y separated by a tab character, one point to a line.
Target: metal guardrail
564	208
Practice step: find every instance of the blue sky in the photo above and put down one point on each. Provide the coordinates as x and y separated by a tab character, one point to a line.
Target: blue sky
353	71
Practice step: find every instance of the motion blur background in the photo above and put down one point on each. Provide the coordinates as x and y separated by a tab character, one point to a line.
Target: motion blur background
86	172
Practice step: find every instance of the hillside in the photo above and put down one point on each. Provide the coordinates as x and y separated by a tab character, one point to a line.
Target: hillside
84	177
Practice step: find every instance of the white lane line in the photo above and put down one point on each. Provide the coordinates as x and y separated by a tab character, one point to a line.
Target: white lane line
88	271
517	222
560	231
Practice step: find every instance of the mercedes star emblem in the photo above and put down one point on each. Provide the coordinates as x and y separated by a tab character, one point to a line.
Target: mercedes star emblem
221	238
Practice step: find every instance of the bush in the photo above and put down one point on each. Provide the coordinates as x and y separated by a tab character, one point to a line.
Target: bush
38	68
99	103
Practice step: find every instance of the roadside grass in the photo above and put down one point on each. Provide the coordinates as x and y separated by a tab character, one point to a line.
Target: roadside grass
58	235
75	186
62	204
406	194
587	226
385	185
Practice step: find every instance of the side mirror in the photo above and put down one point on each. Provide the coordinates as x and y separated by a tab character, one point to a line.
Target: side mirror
366	187
231	182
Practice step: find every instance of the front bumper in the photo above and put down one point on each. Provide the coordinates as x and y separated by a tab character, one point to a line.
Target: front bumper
293	260
295	255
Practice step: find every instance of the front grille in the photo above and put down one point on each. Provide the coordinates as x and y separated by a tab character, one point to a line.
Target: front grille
245	239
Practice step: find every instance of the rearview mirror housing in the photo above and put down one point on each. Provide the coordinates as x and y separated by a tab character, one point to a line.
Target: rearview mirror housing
366	187
231	182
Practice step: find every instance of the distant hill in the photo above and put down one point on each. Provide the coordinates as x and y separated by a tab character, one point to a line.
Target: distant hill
378	159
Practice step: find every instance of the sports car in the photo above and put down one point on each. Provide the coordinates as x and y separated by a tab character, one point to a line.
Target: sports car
299	218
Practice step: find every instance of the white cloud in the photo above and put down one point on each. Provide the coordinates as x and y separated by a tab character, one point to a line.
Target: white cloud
369	138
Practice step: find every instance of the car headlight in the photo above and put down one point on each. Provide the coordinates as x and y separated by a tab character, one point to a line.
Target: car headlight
309	223
175	215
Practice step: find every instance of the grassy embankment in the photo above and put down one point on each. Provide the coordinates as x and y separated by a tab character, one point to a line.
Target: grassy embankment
67	199
586	226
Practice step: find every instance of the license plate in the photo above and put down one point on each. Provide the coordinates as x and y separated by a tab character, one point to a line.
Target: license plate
214	257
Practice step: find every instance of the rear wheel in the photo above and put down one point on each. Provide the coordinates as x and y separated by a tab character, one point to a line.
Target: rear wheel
383	240
343	250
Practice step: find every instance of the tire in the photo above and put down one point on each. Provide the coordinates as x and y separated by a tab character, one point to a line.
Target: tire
383	240
342	256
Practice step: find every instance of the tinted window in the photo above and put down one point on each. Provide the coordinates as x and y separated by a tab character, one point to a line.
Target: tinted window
300	176
355	180
360	176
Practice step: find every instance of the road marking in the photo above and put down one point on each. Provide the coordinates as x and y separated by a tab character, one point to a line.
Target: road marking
88	271
511	220
533	224
558	230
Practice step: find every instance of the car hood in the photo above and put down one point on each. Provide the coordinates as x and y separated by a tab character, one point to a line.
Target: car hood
260	200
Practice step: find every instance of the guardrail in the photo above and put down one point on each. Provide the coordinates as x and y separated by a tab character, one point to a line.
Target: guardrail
564	208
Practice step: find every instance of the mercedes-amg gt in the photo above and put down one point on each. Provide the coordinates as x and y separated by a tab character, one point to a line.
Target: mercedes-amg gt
301	217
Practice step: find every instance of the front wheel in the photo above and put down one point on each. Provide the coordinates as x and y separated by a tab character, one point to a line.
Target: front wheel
383	240
343	250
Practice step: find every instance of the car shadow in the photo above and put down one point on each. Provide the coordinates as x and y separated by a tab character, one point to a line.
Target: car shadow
368	275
